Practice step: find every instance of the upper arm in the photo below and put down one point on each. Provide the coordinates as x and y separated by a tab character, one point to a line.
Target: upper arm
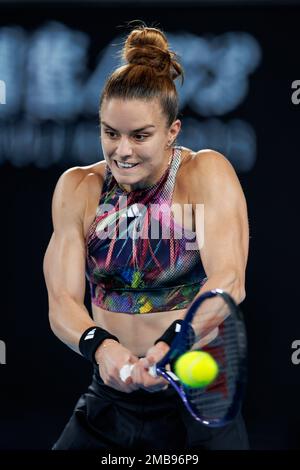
225	233
64	261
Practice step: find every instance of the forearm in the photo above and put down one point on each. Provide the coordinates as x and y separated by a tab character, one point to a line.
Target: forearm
210	315
68	320
229	281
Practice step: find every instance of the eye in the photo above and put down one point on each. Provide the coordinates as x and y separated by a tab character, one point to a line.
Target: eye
110	134
140	137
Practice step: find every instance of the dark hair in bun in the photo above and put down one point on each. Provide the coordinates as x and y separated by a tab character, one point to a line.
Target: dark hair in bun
149	71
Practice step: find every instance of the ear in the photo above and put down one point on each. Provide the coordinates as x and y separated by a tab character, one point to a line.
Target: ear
174	130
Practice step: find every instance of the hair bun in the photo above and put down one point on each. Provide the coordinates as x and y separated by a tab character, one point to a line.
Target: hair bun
149	47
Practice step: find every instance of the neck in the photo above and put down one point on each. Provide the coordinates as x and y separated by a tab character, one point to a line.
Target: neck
141	185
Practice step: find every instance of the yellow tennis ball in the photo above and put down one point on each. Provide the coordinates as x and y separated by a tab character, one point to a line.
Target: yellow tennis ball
196	369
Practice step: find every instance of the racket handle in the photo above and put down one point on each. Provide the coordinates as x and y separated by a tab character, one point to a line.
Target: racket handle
152	371
126	370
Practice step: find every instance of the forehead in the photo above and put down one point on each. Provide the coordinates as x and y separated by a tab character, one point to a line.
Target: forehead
134	114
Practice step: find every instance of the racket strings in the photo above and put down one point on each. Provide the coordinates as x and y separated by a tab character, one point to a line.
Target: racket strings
214	401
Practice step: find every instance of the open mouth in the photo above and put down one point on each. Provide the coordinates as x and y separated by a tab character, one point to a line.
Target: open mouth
126	166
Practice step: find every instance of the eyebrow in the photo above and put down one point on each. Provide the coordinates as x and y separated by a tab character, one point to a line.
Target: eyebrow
135	130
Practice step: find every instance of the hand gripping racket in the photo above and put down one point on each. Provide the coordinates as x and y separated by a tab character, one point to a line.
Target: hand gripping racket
218	403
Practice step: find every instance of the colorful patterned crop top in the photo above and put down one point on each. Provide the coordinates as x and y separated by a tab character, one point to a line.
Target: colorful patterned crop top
139	259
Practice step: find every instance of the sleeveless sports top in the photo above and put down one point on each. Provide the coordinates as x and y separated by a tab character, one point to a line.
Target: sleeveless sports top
139	260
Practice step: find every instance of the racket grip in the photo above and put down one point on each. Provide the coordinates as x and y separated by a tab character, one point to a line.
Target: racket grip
152	371
125	372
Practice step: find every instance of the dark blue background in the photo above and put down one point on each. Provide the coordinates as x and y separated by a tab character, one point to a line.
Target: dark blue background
43	378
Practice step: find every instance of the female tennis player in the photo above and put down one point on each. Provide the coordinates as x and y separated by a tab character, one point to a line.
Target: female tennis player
151	227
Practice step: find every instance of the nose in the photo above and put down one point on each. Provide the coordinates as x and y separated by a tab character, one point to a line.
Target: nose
124	147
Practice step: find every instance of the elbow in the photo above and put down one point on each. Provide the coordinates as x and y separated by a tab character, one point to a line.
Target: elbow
242	295
53	315
239	291
63	308
235	282
234	285
57	312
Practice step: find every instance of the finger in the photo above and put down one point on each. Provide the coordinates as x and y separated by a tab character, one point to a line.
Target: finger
125	372
123	387
137	374
132	386
154	383
142	375
147	361
117	383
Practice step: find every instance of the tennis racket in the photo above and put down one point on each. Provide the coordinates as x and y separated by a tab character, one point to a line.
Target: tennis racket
219	402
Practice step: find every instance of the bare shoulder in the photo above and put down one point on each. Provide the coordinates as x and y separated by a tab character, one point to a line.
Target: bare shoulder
85	175
202	159
208	170
210	161
73	191
81	178
93	178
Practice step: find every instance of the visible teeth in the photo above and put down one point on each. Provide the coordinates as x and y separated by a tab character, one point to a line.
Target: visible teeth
126	165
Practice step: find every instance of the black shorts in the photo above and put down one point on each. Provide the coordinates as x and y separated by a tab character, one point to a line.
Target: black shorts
105	418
